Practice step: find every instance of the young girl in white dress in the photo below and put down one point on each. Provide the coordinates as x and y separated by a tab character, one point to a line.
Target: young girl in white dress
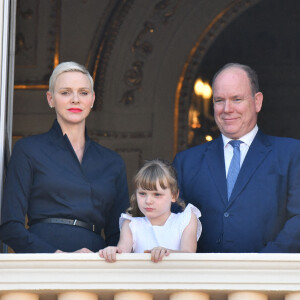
149	226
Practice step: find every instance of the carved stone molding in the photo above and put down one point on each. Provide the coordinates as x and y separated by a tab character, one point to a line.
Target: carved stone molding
143	47
32	70
188	75
161	13
138	152
111	30
133	78
119	135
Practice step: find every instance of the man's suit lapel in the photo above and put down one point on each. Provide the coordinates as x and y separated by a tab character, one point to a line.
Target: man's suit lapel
215	160
256	154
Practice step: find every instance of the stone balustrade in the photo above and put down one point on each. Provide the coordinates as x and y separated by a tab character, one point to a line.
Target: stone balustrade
180	276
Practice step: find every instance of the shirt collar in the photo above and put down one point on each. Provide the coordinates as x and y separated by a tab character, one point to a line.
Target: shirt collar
58	134
247	138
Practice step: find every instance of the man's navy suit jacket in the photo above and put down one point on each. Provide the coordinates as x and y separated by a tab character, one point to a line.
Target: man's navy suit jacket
263	212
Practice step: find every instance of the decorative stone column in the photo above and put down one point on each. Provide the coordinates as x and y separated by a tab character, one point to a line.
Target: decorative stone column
77	296
189	296
247	296
133	296
292	296
19	296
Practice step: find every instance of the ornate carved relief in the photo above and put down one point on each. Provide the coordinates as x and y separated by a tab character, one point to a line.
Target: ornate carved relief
161	13
27	18
142	47
33	72
119	135
134	161
135	151
133	78
112	27
188	75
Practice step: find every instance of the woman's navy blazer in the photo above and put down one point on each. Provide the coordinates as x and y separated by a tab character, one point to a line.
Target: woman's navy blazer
46	180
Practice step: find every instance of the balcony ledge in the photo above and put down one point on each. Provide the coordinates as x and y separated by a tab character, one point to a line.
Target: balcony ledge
212	273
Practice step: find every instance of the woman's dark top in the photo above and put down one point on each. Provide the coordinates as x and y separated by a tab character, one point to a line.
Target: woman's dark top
46	180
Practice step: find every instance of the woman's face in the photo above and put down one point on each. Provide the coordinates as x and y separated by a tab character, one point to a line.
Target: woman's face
72	98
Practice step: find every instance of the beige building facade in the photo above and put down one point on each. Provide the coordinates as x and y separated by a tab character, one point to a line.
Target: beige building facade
144	56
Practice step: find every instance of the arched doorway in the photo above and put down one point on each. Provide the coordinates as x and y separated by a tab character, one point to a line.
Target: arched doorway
264	36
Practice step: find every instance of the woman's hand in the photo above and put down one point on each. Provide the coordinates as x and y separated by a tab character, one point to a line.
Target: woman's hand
158	253
82	250
109	253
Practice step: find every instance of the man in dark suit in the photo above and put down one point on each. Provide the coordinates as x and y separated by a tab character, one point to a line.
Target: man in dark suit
248	191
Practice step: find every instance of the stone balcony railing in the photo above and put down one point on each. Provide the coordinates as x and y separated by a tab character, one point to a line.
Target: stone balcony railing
135	277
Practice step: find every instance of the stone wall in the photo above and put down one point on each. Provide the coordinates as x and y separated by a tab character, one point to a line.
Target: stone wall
145	56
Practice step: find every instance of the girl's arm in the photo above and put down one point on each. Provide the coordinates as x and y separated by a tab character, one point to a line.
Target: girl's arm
188	242
124	245
189	236
126	240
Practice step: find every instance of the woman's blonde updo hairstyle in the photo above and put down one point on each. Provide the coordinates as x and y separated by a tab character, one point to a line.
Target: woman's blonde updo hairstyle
69	66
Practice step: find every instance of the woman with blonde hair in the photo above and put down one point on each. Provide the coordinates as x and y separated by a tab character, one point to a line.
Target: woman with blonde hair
70	187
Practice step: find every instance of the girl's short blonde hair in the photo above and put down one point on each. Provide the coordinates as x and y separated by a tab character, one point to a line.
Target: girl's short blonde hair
153	172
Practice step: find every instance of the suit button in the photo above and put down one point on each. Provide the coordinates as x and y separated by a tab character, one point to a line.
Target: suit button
226	215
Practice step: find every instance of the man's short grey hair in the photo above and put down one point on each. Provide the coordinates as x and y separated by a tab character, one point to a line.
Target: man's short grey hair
69	66
252	76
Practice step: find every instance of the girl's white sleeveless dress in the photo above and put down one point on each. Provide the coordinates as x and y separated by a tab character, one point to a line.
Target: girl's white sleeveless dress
147	236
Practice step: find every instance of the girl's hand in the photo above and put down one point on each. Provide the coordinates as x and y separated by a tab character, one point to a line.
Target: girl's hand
158	253
109	253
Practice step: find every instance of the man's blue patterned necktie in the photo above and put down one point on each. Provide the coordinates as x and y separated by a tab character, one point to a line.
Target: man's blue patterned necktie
234	167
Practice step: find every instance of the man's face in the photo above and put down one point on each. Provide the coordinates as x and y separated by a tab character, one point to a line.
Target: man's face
235	108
